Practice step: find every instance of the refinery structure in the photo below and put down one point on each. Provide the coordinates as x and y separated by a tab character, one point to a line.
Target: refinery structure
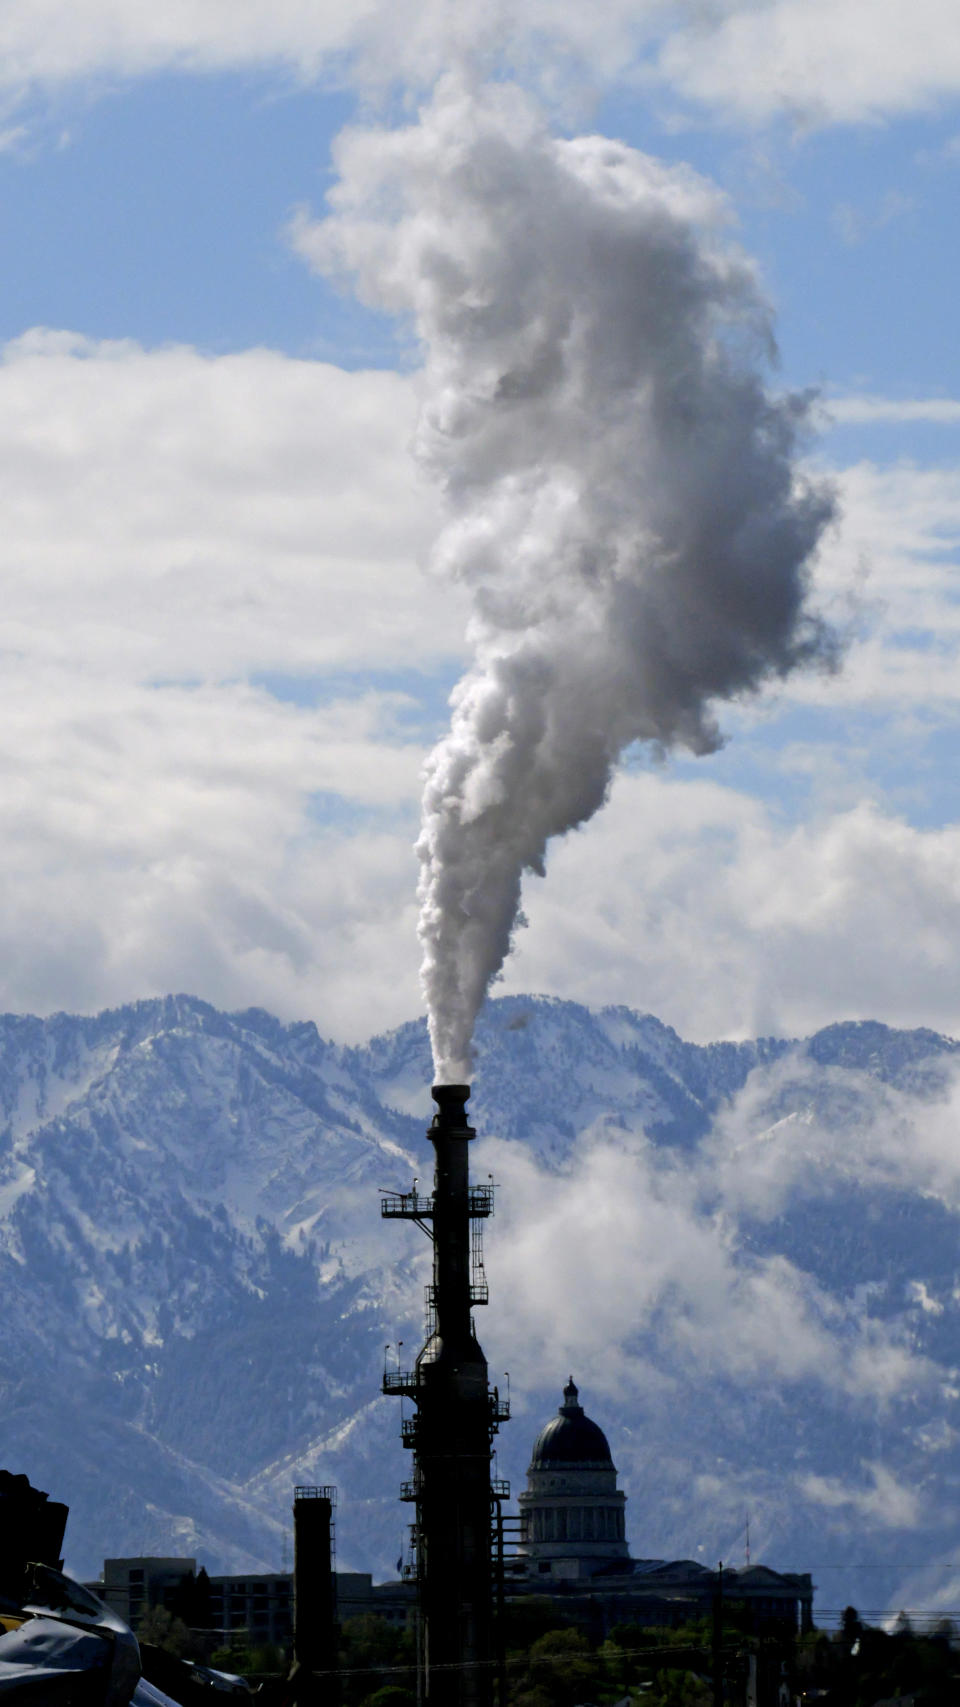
570	1537
450	1435
568	1542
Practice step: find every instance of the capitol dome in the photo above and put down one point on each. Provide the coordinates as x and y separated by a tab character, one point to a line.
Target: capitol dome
572	1512
571	1438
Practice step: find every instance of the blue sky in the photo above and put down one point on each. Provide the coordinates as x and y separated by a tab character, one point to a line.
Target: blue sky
225	653
157	210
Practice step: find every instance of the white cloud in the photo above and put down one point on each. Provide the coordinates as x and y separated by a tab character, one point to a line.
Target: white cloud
897	411
81	38
174	526
883	1502
641	1269
696	903
763	1162
855	224
820	61
161	839
917	1290
177	527
935	1585
166	513
689	1305
890	571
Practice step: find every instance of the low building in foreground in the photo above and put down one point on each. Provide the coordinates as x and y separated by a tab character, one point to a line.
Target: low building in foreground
255	1606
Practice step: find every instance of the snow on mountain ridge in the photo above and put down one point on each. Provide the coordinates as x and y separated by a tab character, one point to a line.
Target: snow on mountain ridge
194	1268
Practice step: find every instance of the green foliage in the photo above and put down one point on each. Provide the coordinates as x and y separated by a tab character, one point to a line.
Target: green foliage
191	1600
863	1665
374	1656
680	1689
369	1640
391	1695
634	1654
850	1627
266	1659
529	1618
162	1629
637	1637
560	1672
247	1660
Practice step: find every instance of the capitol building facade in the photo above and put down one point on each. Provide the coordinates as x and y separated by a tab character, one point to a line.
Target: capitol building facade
572	1512
572	1545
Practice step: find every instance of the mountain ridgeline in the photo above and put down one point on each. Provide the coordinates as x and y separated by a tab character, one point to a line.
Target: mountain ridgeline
197	1288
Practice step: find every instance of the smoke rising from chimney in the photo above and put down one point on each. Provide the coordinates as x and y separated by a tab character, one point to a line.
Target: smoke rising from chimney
623	502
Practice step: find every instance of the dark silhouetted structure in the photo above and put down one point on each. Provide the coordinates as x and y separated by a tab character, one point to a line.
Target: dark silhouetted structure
456	1418
31	1525
314	1593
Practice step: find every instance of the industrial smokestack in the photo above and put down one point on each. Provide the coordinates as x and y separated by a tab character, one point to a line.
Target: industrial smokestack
450	1133
451	1434
451	1101
315	1633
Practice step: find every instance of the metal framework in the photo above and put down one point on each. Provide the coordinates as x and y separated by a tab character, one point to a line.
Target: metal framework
457	1536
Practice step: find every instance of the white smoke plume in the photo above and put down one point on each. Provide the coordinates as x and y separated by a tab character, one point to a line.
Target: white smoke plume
622	498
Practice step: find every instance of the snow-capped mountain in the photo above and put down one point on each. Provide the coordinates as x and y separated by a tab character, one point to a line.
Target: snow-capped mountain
746	1252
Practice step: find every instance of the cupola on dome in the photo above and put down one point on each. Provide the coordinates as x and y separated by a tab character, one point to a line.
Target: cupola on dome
570	1438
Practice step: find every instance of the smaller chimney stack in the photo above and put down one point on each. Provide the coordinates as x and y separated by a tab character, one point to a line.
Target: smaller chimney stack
315	1628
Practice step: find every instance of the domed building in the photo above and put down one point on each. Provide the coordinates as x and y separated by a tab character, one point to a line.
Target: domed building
572	1544
572	1512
